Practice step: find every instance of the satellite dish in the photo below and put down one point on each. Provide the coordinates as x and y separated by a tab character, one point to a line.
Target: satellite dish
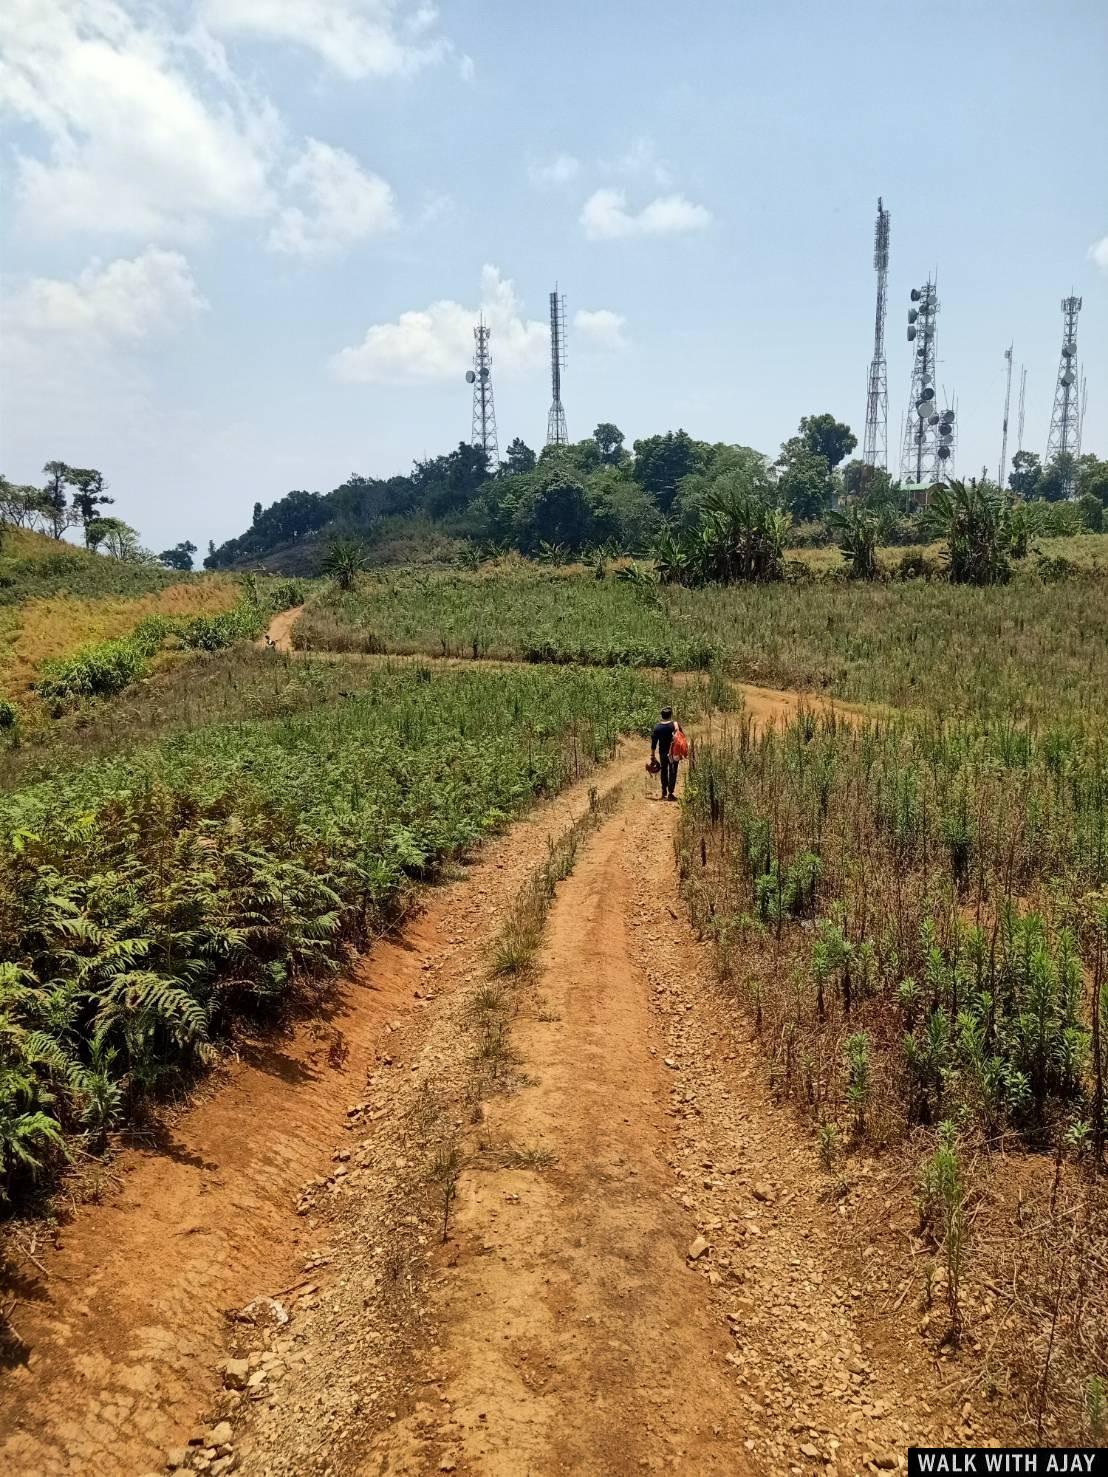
943	453
1069	350
484	374
1069	377
932	420
470	376
915	294
911	334
913	314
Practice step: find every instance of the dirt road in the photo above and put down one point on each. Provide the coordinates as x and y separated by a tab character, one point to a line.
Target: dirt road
641	1270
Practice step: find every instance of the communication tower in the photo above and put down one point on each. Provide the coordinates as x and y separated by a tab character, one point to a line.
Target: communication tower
922	459
1007	403
1065	420
483	433
875	444
556	433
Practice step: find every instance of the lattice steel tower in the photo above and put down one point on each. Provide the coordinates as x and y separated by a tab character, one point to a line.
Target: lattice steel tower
1004	429
1065	420
875	444
556	433
483	432
920	459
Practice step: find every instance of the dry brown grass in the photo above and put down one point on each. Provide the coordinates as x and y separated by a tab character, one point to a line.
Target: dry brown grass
59	624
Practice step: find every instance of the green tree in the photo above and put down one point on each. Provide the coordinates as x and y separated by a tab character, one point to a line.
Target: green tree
1091	510
975	521
623	513
519	459
1058	478
554	509
346	558
858	531
179	557
55	504
662	461
826	437
1092	477
448	484
609	439
1025	474
21	505
740	536
803	480
89	495
118	539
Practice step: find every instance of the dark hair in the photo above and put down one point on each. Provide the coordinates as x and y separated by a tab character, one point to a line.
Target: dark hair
667	712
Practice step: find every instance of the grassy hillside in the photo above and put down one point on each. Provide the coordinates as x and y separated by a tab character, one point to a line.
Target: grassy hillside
1030	649
55	598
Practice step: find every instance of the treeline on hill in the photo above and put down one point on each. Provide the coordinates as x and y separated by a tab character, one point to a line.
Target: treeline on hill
76	497
720	511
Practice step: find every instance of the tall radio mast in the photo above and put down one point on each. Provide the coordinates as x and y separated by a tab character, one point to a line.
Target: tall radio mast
875	444
483	432
556	433
1007	403
1065	421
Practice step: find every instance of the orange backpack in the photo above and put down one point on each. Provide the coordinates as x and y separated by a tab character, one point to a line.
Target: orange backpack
679	745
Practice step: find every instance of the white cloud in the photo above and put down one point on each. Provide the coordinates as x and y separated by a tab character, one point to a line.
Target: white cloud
606	217
358	38
342	204
128	299
437	342
601	327
146	131
557	171
1099	253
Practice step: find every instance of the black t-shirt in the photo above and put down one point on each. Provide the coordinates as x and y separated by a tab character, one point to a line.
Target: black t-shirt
663	736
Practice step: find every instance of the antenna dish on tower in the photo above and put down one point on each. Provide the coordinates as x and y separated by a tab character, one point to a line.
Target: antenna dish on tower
1065	420
483	432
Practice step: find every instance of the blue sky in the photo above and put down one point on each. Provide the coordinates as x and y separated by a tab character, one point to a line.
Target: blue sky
247	238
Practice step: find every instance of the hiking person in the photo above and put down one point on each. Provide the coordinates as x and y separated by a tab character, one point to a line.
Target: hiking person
670	745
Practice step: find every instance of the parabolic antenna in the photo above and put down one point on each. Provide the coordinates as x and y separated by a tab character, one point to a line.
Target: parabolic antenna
915	294
484	373
1069	350
913	314
932	420
470	376
911	334
943	453
1069	377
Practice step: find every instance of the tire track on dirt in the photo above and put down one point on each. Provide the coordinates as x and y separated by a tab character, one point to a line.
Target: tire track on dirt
125	1329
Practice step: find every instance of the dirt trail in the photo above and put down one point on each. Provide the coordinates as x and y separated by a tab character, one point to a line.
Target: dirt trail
578	1340
661	1285
279	635
127	1327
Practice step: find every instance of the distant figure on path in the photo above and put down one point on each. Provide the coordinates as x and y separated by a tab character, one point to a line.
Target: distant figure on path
670	745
